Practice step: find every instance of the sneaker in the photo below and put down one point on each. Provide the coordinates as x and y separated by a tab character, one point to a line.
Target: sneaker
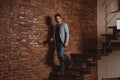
70	64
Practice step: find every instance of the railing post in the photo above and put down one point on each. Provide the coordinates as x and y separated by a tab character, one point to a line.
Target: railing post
108	42
115	33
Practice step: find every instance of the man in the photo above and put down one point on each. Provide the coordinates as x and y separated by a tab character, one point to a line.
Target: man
62	40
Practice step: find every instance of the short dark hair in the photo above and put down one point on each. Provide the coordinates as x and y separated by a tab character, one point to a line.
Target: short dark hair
57	14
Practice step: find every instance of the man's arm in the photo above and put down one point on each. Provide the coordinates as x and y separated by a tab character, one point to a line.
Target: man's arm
66	34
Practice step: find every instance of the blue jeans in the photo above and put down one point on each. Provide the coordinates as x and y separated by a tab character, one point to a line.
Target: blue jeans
61	56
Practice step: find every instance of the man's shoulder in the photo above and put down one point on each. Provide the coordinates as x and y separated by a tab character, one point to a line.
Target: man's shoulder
64	23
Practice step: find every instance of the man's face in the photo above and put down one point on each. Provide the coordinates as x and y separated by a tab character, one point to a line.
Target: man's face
58	19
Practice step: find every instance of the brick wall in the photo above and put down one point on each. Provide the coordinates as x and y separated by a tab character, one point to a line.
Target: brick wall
118	4
25	29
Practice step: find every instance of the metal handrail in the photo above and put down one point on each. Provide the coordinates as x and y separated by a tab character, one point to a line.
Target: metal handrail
107	13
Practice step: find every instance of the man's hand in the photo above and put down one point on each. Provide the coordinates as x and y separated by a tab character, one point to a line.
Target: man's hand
51	40
66	44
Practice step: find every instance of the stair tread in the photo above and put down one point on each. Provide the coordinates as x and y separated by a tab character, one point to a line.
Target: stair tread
107	34
115	41
55	76
111	27
87	55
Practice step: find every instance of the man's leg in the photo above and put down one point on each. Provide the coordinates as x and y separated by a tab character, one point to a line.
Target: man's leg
61	57
68	61
67	58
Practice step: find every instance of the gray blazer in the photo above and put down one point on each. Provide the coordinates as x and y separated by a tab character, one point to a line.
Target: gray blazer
64	32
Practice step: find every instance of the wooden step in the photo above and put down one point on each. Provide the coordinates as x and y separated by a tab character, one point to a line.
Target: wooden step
84	58
90	52
118	78
102	53
80	71
111	27
93	64
115	43
71	77
80	65
88	77
68	75
55	76
111	36
115	40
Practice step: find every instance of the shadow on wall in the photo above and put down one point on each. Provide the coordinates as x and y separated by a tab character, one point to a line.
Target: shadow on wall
51	46
89	43
8	4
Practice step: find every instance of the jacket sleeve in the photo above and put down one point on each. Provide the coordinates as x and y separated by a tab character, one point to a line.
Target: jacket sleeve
66	33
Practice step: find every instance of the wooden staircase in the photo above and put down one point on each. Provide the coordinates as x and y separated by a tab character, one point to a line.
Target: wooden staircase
110	41
82	69
85	65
